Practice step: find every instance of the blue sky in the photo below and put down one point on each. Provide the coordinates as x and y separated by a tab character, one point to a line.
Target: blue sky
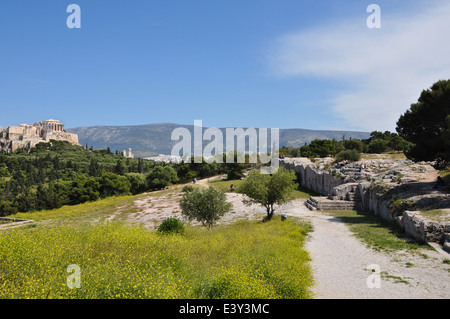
235	63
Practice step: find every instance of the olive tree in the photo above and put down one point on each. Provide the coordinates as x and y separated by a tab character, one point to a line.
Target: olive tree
205	205
269	190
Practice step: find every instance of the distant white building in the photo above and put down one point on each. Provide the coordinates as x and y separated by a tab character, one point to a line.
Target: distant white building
171	159
129	154
166	159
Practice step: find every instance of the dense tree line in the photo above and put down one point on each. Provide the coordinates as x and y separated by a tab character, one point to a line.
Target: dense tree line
55	174
423	133
377	143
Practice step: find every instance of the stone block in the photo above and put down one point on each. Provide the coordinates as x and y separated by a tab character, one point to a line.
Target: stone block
446	246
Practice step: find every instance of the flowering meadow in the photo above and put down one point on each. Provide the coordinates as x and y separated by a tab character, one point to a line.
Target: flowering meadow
244	260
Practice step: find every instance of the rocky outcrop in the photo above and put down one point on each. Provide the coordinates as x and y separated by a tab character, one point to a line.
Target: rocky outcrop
394	190
424	230
421	229
312	176
447	242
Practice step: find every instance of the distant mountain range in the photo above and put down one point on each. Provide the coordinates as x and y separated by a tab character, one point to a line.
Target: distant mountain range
152	139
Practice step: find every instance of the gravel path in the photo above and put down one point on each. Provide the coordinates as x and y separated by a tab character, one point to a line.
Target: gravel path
340	264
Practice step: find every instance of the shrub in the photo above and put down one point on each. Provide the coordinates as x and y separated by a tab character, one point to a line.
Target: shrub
336	173
206	206
348	155
171	225
187	188
400	205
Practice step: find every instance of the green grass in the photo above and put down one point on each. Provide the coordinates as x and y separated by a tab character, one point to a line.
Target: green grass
90	211
243	260
302	192
374	232
82	213
224	185
396	279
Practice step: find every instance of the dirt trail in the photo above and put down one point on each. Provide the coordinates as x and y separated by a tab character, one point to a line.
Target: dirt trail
340	265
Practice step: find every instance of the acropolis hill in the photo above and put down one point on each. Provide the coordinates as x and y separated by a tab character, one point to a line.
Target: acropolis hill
29	135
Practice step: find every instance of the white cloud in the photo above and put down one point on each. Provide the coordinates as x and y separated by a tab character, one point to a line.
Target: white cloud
384	70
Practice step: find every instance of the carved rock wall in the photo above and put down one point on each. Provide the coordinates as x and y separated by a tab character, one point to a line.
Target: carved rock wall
312	177
372	197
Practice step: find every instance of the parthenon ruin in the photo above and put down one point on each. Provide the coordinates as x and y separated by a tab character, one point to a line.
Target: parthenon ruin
29	135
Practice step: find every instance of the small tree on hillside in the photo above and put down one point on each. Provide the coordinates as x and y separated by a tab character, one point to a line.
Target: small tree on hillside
268	190
206	205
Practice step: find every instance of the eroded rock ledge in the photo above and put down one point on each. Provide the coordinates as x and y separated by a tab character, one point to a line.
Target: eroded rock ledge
399	191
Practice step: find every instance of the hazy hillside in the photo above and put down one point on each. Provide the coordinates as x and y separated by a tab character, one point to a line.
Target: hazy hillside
146	140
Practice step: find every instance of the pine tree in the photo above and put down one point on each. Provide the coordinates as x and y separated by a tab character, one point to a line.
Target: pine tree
120	168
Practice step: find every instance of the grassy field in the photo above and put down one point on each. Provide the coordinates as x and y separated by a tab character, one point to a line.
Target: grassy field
303	193
374	232
86	211
90	212
244	260
247	259
224	185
